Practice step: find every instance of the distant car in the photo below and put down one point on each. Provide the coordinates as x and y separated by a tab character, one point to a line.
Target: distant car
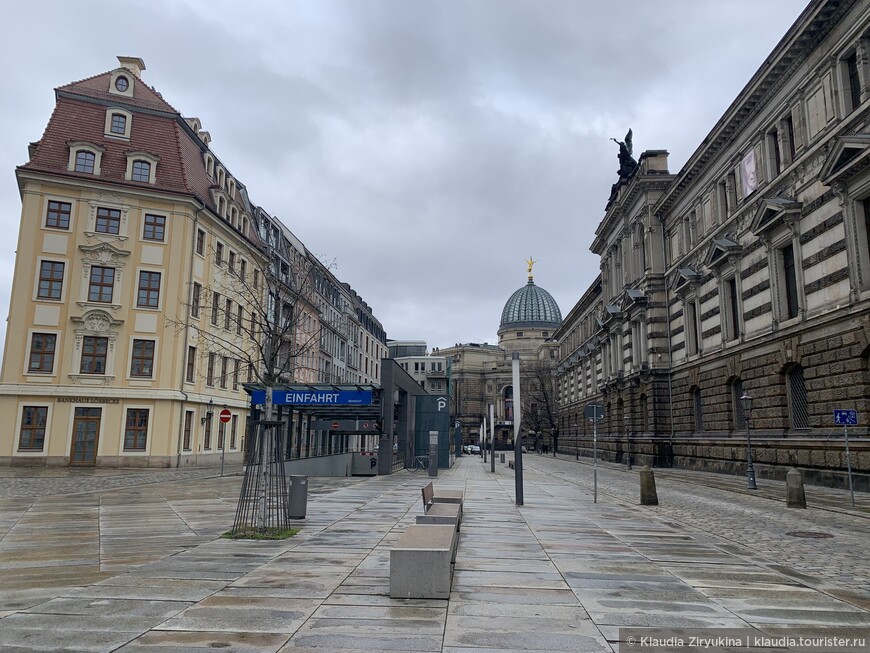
473	448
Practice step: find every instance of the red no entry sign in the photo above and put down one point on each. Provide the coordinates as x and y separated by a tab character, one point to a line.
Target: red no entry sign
335	426
225	415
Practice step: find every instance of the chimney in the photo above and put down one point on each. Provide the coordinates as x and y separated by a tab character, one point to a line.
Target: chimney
134	64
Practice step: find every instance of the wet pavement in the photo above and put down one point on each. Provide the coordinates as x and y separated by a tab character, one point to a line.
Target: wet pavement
131	560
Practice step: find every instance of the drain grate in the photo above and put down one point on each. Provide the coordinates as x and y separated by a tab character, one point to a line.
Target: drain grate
810	534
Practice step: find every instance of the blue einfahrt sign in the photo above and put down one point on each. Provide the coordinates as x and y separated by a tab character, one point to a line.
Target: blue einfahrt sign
315	397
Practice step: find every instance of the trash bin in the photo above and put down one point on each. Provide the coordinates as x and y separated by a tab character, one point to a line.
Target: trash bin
501	457
297	488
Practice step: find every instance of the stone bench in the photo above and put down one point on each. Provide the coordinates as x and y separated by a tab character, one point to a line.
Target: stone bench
430	496
442	513
421	562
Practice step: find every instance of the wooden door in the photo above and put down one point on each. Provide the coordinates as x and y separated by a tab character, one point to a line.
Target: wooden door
86	432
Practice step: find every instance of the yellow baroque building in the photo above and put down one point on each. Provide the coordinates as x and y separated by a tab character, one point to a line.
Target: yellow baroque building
127	215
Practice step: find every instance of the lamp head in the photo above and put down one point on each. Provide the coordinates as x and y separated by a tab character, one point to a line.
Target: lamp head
746	402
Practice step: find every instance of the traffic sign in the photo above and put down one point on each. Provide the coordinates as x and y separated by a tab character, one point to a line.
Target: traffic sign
846	417
336	426
594	412
226	415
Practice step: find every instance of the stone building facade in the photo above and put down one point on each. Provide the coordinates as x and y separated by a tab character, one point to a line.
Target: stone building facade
743	274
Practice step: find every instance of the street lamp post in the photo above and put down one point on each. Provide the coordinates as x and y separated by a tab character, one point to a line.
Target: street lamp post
746	402
627	419
209	411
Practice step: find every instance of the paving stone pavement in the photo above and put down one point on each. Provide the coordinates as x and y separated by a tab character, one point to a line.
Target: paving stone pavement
99	566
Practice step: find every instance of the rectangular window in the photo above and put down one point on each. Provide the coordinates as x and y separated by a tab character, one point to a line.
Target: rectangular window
196	300
149	290
119	124
256	279
206	438
231	263
42	348
854	81
219	254
215	307
108	221
136	432
236	364
188	424
142	360
733	309
865	204
155	227
240	315
790	280
228	314
209	375
94	351
32	435
50	280
789	137
101	285
58	215
85	162
234	427
243	268
774	153
190	375
222	432
141	171
200	242
225	361
691	328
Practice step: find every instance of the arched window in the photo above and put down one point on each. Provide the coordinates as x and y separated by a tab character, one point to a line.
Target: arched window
798	406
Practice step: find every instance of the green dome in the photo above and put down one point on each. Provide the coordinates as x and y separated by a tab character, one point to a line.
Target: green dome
531	307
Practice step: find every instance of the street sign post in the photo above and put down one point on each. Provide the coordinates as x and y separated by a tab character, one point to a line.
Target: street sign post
594	413
847	418
225	416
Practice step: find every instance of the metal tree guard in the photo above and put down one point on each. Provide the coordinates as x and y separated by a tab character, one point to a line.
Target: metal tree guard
264	501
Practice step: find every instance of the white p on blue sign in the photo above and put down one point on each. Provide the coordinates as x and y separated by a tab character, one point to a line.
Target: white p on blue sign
846	417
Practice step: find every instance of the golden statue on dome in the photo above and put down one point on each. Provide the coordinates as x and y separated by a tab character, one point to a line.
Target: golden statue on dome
530	262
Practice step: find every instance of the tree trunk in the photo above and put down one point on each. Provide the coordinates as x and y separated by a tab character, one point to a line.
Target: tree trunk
265	468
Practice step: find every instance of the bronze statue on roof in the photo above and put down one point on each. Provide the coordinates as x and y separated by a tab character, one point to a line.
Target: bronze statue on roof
627	164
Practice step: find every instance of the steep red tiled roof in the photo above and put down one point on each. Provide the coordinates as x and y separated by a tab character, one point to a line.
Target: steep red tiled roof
98	87
181	168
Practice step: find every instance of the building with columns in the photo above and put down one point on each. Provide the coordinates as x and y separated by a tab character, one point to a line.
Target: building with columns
744	274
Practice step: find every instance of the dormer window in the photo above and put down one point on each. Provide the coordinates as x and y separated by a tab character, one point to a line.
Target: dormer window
85	161
220	177
141	167
141	171
118	123
121	83
85	158
209	165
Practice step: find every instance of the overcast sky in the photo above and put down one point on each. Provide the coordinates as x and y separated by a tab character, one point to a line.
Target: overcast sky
426	147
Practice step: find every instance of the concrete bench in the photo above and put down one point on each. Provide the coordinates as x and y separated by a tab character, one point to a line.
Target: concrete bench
430	496
442	513
421	562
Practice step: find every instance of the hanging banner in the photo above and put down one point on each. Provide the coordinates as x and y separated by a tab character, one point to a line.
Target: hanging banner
748	173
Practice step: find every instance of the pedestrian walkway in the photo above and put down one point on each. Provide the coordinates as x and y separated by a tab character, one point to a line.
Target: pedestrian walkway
143	568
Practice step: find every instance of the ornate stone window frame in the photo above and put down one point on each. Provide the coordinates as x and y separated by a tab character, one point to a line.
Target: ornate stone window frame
84	146
131	82
133	157
107	127
98	323
105	255
777	224
107	201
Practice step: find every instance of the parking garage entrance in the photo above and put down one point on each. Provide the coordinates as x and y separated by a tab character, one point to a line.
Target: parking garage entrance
327	430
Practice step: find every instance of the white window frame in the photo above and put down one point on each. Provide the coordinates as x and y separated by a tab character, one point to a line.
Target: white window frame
147	380
134	304
41	376
131	82
64	284
82	146
107	128
72	213
122	430
132	157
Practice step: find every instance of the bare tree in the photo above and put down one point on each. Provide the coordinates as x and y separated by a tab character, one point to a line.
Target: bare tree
541	408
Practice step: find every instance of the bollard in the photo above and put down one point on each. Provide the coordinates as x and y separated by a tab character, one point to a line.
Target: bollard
648	496
794	489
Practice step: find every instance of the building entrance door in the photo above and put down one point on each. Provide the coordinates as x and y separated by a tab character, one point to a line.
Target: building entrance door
86	430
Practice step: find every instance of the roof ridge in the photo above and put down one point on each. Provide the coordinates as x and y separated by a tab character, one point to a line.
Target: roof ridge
175	126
